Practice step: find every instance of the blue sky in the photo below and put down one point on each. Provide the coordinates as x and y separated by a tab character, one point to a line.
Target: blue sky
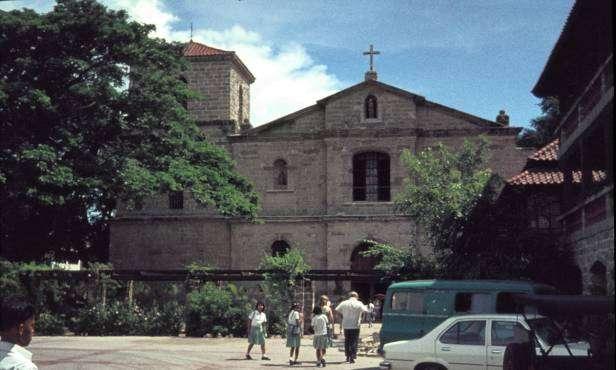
477	56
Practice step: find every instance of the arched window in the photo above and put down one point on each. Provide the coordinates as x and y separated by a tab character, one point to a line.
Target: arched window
280	174
184	101
371	107
280	248
598	279
371	177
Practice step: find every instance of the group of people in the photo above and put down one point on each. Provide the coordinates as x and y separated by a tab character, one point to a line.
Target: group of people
322	323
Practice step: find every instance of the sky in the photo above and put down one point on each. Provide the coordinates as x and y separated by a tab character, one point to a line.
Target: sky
477	56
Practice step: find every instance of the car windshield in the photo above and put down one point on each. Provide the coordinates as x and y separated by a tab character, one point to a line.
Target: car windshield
546	330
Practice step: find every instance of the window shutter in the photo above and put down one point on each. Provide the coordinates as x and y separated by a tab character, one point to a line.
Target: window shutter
383	171
359	177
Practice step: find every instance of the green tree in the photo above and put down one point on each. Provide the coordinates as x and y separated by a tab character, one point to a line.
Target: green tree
76	137
476	229
279	285
543	127
401	263
441	189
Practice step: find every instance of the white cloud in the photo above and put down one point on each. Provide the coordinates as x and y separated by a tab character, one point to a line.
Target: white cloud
287	78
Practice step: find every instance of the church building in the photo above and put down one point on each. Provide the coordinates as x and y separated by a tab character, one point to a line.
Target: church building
327	174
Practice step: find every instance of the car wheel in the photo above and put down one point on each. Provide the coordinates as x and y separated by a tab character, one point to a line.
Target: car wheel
430	367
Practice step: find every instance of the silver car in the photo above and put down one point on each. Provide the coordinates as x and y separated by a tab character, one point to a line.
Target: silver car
475	342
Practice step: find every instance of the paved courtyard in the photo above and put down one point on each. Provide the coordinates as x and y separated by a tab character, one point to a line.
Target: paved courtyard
70	352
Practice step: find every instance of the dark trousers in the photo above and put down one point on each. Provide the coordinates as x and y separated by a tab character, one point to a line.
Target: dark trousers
351	336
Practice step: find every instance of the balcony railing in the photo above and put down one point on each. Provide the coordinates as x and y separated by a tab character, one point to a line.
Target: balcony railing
590	97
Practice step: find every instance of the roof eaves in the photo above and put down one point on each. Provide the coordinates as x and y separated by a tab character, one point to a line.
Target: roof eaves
539	88
387	87
282	120
467	116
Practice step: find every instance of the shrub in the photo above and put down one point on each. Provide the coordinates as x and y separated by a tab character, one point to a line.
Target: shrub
120	318
164	320
49	324
216	310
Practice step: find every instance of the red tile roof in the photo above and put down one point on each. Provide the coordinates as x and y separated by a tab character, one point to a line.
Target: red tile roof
546	172
195	49
547	153
537	177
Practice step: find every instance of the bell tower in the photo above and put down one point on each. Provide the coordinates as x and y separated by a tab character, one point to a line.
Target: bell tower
223	81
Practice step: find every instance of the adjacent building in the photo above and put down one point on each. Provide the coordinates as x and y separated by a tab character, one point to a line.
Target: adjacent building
579	72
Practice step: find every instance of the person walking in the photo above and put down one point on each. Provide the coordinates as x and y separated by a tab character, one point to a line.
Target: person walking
370	314
294	331
320	340
351	311
256	330
327	311
16	331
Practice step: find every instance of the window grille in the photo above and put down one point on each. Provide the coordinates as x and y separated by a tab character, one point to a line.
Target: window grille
371	177
176	200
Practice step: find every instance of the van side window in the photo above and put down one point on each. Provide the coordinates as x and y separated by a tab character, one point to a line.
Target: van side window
465	332
474	302
408	301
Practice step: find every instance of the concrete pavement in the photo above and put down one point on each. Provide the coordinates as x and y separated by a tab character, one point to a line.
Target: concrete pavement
131	352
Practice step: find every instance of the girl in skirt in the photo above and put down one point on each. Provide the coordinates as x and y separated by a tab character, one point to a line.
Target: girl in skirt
294	333
320	340
256	330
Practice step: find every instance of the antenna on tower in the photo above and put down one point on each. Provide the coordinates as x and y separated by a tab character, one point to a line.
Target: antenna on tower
191	31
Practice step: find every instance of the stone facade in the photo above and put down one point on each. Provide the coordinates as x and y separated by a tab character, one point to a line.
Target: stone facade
315	211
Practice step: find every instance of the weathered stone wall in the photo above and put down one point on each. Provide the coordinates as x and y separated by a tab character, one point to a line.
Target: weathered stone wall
169	242
239	103
250	242
304	194
347	111
430	117
595	244
211	79
344	234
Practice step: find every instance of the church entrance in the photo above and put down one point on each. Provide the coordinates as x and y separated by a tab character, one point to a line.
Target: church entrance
360	263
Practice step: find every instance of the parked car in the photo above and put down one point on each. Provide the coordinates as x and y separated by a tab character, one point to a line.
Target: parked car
413	308
476	342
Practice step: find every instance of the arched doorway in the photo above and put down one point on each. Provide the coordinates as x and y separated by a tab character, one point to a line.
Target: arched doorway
366	289
598	279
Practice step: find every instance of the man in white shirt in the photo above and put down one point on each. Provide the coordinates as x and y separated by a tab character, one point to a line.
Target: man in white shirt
351	311
16	331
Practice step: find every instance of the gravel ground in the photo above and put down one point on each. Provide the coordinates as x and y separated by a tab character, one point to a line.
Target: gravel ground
70	352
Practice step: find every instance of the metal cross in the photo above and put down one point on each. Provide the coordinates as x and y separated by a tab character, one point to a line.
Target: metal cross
371	52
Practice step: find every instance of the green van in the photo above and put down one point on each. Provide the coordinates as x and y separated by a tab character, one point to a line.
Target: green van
413	308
